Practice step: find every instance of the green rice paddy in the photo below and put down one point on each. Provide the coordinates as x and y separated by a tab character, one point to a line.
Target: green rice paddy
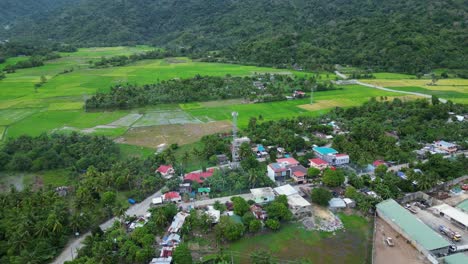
58	104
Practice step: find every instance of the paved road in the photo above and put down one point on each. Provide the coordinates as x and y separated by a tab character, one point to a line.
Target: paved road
70	251
435	221
222	200
397	91
341	75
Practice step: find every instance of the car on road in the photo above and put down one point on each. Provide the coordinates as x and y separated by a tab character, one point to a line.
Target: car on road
389	242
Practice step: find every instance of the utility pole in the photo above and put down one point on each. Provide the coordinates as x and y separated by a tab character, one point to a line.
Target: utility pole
312	94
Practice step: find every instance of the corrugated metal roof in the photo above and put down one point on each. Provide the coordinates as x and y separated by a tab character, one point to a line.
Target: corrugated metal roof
454	213
463	205
325	150
459	258
411	225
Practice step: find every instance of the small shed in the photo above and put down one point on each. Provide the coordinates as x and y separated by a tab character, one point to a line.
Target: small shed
336	204
349	202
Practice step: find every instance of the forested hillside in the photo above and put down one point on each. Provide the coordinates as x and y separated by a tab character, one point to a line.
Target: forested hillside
398	35
11	10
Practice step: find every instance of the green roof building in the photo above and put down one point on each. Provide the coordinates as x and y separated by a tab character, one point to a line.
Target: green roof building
425	239
463	205
459	258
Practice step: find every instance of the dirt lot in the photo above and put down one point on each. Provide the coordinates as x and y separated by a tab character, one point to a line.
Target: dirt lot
455	200
402	252
169	134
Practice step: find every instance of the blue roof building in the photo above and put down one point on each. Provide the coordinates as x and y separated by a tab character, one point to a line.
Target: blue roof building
325	150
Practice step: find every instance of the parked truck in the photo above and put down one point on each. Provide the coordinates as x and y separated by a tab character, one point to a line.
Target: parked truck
455	236
456	249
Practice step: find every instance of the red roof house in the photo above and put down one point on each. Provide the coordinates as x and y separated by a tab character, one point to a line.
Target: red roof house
198	176
378	163
166	170
172	196
288	161
318	164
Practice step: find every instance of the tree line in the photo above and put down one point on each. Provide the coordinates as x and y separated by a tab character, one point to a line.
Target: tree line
123	60
258	88
35	223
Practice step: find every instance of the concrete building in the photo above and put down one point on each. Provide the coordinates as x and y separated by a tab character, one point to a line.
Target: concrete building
446	146
285	190
299	206
263	195
454	215
430	243
318	164
280	170
331	156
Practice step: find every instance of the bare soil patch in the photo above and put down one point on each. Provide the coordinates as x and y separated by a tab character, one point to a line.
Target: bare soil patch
169	134
402	252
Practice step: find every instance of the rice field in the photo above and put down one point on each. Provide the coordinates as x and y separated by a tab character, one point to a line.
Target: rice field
58	104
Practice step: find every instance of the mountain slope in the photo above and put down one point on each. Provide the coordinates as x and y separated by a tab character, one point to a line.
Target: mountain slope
12	10
396	35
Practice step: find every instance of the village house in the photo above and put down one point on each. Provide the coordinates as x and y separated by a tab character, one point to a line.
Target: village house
446	146
258	212
222	159
167	171
298	174
198	176
299	94
318	163
172	197
178	222
263	195
280	170
378	163
185	188
299	206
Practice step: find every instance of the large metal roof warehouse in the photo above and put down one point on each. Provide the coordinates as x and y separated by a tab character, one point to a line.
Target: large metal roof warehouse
426	240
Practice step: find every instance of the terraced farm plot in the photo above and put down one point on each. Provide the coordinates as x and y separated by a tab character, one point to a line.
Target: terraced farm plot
165	118
127	120
181	134
10	116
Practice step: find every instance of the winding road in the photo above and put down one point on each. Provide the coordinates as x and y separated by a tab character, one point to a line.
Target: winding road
343	76
71	250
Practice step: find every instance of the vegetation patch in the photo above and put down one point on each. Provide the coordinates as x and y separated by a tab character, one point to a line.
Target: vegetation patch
318	247
65	106
2	132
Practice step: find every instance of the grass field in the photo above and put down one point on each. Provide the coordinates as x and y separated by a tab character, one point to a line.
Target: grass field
451	89
293	242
